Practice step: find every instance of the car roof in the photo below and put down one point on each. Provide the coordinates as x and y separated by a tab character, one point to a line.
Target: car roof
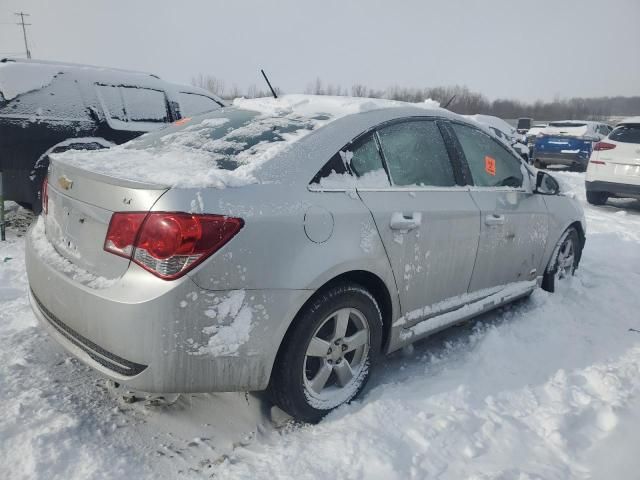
71	66
629	120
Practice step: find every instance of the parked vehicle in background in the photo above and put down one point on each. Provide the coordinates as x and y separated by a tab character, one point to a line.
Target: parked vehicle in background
614	167
504	132
523	125
568	143
532	133
285	244
49	107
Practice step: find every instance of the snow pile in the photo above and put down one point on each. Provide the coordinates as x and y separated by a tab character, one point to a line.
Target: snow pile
18	78
226	337
206	152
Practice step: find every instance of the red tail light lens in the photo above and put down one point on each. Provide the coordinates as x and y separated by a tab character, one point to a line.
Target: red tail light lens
45	195
169	244
598	147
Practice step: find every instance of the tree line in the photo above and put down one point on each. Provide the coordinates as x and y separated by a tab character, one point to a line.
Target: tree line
458	97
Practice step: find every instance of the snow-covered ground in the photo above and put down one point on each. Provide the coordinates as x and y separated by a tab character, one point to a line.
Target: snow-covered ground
548	388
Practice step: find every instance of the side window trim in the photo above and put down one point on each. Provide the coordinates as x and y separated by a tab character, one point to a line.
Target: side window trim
467	169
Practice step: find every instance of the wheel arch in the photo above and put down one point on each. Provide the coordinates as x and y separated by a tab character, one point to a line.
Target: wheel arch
370	282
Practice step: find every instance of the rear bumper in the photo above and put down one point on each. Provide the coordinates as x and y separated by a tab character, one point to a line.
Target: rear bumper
618	189
569	159
167	337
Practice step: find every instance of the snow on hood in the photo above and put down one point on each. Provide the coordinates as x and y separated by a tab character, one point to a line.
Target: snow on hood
223	148
19	78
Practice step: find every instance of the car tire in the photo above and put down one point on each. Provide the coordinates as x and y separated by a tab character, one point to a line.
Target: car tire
597	198
538	164
564	260
326	358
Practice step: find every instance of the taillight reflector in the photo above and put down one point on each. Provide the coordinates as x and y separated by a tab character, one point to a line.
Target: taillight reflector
169	244
598	147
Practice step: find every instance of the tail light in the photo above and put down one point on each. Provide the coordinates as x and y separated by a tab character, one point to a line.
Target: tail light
45	195
169	244
598	147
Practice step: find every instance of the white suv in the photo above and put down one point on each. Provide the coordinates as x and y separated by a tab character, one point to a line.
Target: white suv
614	166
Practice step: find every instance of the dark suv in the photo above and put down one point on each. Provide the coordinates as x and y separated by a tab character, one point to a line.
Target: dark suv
48	107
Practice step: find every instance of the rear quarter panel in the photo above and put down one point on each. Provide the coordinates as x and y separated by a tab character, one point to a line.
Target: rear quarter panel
563	212
273	251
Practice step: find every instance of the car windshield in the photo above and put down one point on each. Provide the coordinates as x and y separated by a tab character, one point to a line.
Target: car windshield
230	136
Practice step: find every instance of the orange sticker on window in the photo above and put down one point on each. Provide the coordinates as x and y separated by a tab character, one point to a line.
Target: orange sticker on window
490	165
182	121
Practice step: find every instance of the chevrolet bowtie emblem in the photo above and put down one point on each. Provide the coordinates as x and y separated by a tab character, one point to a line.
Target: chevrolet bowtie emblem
65	182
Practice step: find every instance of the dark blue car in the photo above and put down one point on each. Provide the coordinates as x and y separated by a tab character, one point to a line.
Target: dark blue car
568	143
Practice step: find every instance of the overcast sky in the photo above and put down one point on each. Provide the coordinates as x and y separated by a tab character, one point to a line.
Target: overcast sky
533	49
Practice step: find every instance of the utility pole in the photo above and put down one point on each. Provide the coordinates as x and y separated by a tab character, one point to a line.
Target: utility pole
24	31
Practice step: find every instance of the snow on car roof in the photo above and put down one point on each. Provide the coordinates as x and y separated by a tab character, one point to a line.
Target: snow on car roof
21	76
224	148
629	120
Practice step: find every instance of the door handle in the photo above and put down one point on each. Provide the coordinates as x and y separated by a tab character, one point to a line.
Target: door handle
405	221
494	219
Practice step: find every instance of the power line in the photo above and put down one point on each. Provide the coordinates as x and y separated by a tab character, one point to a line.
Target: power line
24	31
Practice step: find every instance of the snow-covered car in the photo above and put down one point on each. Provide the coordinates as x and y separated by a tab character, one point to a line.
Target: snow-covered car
286	244
532	133
614	166
50	107
505	132
568	143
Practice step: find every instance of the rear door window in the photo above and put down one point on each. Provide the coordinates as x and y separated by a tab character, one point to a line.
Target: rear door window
112	101
145	105
416	154
491	164
192	104
626	133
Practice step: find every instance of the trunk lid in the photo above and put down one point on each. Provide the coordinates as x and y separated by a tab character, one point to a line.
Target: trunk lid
563	144
80	204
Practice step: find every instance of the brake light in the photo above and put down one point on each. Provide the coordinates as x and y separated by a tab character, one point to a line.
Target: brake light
45	195
598	147
169	244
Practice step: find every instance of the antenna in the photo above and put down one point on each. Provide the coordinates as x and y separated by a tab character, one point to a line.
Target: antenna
275	95
449	102
24	31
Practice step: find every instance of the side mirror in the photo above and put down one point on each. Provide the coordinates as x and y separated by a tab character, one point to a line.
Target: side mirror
546	184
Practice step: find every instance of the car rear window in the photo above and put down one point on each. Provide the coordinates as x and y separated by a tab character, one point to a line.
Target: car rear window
626	133
231	136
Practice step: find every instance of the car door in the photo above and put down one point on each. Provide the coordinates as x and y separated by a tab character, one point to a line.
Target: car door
513	227
427	221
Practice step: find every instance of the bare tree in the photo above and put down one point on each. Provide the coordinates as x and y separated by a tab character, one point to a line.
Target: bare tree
209	82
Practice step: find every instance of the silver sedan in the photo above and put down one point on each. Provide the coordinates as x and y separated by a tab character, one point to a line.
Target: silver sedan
288	249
